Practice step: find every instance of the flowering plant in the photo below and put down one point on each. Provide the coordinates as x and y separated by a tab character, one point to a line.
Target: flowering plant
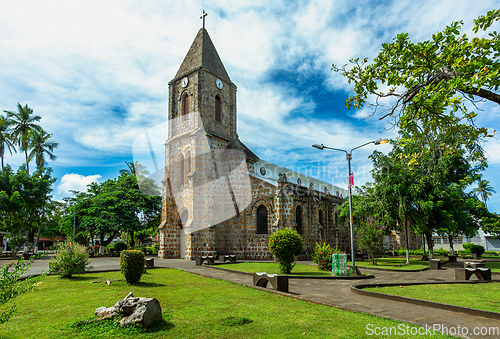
322	256
285	244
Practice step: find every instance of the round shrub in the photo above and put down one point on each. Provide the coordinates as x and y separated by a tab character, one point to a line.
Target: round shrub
285	244
473	248
71	258
120	246
132	265
477	250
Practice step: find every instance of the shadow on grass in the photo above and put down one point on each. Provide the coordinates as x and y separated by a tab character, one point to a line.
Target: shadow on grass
101	328
81	277
148	284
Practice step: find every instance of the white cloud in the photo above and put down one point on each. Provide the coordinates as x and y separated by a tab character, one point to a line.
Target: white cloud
74	181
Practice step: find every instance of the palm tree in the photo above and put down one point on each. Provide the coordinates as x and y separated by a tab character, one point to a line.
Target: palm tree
484	190
40	146
6	142
136	169
22	123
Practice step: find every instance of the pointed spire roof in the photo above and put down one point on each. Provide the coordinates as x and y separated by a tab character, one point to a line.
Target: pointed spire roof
202	53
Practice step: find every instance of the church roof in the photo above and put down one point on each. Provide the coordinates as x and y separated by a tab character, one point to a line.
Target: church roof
237	145
202	54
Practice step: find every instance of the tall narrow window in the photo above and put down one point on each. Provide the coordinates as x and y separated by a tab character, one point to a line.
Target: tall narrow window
262	220
184	218
322	224
188	164
181	169
298	219
321	218
185	105
218	108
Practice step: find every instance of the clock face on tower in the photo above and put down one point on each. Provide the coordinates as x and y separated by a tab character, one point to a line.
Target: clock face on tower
219	83
184	82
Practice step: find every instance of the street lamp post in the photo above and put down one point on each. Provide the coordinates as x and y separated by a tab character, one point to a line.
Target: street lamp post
348	156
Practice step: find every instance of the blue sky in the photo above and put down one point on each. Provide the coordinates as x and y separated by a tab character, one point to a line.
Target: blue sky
98	71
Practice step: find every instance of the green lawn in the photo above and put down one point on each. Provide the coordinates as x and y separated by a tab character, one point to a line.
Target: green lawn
397	263
193	307
273	268
480	296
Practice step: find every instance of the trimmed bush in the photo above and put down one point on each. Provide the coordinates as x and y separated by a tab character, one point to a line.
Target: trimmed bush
132	265
490	253
322	256
285	244
71	258
120	246
440	252
473	248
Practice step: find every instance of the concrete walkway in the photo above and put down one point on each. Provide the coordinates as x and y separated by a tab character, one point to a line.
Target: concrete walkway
338	293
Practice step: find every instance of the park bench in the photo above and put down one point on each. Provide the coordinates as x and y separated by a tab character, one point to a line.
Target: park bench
208	258
435	264
474	264
150	262
224	258
465	273
278	282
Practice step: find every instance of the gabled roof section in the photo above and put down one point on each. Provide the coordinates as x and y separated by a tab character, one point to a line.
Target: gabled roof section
202	53
237	145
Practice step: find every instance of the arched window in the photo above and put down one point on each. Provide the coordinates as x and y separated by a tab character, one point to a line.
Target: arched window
185	105
298	219
262	220
181	169
218	108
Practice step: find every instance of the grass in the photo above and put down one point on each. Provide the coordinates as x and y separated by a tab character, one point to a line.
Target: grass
480	296
273	268
397	263
193	307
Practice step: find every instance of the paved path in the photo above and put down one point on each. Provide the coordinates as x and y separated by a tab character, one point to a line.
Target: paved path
337	293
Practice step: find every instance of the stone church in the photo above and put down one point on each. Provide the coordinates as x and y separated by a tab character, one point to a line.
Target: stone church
218	197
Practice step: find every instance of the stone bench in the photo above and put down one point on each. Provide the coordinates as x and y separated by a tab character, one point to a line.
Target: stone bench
435	264
224	258
278	282
474	264
208	258
465	273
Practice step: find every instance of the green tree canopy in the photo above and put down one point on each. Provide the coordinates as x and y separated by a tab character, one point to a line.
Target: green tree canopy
430	194
434	82
22	199
114	206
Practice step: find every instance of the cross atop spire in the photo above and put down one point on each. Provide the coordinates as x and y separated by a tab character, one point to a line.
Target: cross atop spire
203	17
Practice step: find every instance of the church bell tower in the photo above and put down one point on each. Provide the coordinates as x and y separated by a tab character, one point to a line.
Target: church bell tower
202	124
202	85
